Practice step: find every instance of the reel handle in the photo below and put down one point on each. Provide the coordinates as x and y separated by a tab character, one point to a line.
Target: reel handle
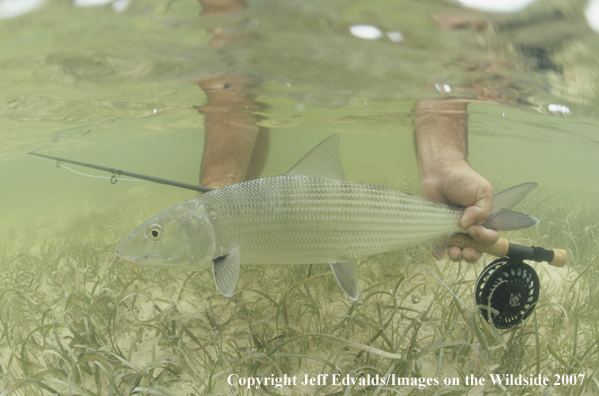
501	248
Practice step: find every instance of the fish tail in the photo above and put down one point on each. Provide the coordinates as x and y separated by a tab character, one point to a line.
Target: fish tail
507	220
507	199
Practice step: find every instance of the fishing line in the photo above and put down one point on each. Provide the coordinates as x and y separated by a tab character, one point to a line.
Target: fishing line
59	165
439	279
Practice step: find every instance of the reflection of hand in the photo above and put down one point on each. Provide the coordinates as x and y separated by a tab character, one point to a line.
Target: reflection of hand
458	184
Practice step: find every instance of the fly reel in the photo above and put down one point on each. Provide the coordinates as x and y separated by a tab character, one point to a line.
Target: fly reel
506	292
508	289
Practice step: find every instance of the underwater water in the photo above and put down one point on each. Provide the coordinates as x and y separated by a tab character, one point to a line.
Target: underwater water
118	85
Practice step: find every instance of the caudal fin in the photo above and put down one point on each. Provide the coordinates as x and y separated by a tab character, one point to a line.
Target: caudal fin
507	220
503	219
507	199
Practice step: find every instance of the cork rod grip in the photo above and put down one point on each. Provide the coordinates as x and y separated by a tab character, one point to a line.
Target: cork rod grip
558	258
498	249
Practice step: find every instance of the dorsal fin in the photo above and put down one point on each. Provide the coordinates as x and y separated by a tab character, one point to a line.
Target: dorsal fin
322	161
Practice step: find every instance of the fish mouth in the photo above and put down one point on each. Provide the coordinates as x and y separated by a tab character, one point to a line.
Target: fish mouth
134	260
145	261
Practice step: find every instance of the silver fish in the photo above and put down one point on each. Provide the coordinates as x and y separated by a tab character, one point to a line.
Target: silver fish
309	215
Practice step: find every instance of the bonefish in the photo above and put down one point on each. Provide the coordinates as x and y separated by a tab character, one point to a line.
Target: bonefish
309	215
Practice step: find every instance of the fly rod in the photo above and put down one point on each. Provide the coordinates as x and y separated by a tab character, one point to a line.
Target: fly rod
118	172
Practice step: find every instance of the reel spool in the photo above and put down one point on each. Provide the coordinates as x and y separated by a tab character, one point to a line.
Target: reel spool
510	288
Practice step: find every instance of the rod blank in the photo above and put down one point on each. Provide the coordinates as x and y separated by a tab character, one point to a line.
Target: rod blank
130	174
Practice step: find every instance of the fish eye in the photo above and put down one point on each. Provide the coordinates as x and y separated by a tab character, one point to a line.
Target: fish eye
155	232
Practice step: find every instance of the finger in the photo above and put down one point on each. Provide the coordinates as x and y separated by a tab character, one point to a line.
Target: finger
473	215
482	234
471	255
455	253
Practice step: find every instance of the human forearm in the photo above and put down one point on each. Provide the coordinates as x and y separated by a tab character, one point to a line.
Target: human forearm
441	135
441	138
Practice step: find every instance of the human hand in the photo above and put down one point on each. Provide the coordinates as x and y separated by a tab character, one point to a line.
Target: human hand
458	184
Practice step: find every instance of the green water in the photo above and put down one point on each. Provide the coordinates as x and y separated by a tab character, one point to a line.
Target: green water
116	89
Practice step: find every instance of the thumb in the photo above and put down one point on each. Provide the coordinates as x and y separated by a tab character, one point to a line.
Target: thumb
473	217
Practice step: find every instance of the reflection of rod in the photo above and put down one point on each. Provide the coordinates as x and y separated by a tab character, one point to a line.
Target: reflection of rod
131	174
501	248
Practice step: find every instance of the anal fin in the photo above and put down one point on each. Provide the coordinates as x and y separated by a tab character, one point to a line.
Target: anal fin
438	248
346	273
226	272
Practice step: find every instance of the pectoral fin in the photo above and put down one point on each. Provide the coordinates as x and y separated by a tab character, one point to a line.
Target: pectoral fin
226	272
346	273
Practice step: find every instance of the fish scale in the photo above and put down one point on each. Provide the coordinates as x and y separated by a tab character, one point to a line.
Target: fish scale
310	220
